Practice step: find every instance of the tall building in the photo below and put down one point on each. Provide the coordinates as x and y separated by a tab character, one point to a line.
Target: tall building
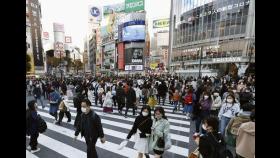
33	33
214	37
92	51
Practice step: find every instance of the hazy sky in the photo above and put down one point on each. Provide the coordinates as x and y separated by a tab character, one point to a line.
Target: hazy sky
74	15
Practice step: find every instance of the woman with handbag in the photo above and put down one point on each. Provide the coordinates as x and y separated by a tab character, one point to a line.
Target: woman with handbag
160	137
142	130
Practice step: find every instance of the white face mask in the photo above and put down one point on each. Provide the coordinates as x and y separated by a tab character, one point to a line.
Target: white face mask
158	116
234	91
144	113
84	109
206	97
216	94
229	100
204	127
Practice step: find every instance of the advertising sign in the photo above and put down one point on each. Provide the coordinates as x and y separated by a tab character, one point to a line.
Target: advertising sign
134	33
133	67
162	39
58	27
36	35
153	65
94	13
68	39
46	35
121	56
134	56
161	23
134	5
134	17
116	8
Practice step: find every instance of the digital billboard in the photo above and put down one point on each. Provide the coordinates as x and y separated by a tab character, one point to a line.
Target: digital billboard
133	33
134	56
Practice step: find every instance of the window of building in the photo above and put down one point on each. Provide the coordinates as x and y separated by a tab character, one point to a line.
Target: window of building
227	27
243	24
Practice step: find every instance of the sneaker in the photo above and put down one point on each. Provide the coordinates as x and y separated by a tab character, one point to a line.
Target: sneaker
54	121
34	151
29	147
57	123
69	121
187	117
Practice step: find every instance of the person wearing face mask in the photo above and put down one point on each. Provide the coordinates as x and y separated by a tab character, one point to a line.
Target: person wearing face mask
212	144
189	99
90	127
205	107
160	128
228	110
142	131
217	102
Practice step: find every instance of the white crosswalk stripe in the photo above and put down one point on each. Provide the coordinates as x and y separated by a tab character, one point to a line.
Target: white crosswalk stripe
115	128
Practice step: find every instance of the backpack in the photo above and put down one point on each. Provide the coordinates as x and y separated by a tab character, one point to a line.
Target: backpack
188	99
218	147
42	125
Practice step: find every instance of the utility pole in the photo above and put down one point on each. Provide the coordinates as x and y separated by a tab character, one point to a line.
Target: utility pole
60	66
201	49
171	20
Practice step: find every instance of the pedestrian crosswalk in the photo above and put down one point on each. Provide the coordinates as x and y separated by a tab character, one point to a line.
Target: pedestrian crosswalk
59	140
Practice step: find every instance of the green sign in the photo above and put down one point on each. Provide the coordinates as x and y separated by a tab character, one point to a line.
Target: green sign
161	23
134	5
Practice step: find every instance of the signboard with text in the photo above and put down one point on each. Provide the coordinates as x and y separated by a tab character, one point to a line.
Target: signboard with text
161	23
134	5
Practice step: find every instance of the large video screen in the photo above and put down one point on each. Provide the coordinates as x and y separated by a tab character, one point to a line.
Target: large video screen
134	33
134	56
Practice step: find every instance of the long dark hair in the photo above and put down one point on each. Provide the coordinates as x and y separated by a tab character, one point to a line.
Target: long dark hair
161	110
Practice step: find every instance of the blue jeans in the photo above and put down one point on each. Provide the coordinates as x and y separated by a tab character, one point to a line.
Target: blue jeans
203	114
188	108
175	103
223	124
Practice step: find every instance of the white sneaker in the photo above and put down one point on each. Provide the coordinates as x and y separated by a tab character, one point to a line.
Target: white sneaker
187	117
34	151
29	147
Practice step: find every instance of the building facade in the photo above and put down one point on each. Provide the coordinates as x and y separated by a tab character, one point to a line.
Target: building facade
214	36
34	31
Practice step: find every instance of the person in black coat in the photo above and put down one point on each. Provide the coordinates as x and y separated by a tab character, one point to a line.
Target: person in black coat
32	126
208	144
37	95
142	126
120	97
162	90
245	97
130	99
90	127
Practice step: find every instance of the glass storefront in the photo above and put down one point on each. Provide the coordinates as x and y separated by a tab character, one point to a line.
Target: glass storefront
218	27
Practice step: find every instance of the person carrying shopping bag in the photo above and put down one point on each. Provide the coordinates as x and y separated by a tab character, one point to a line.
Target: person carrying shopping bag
142	131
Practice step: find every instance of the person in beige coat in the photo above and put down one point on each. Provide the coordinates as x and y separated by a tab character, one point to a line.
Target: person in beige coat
245	141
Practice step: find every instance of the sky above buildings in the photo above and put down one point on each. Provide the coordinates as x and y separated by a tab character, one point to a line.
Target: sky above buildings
74	15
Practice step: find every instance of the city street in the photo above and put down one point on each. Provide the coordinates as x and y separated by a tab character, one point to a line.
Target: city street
58	141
